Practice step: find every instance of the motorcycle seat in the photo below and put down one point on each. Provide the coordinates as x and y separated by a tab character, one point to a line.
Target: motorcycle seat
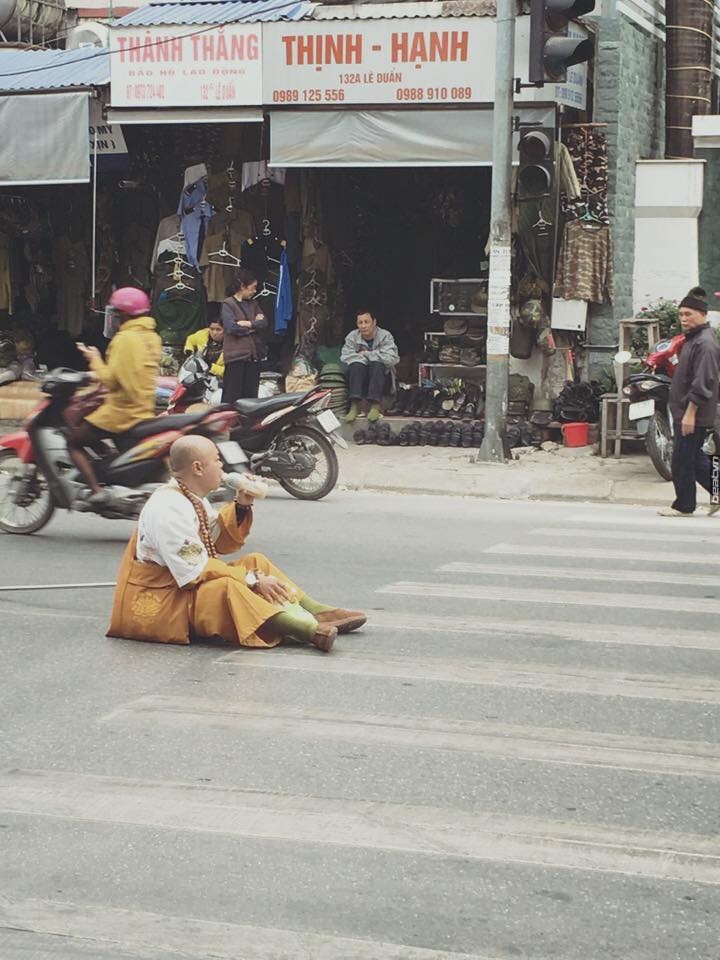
174	421
267	405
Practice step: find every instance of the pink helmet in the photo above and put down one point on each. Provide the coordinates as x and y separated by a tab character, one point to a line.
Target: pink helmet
131	301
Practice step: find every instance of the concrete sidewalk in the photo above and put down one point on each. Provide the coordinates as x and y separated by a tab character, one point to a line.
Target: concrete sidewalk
561	474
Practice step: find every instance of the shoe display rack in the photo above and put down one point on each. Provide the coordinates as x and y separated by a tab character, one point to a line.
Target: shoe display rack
452	300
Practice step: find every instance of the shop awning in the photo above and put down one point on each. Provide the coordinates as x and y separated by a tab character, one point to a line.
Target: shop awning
49	142
185	115
387	138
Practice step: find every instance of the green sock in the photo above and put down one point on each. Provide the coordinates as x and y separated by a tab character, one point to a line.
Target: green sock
312	606
293	622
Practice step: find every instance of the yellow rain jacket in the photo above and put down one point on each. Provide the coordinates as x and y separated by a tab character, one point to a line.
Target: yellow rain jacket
197	342
130	373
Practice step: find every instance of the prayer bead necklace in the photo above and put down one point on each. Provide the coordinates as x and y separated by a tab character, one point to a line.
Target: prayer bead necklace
199	508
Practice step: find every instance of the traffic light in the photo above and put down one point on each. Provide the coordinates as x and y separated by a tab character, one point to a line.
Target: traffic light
536	174
552	51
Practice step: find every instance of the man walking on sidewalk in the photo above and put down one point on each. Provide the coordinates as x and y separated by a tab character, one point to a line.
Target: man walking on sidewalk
693	405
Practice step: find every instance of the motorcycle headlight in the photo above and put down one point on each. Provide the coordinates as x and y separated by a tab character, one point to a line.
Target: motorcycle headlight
647	384
628	390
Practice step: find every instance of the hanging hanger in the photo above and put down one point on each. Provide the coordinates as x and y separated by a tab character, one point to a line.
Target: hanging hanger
541	221
589	216
227	259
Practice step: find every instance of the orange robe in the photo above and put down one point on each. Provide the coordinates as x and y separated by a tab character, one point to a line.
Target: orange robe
149	605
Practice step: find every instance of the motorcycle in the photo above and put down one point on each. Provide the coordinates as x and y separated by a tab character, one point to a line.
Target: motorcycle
649	394
195	384
289	437
41	477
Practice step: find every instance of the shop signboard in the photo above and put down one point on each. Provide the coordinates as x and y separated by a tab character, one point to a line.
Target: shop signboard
178	66
414	61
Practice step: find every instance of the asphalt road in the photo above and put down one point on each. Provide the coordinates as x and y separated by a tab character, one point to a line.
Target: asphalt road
517	757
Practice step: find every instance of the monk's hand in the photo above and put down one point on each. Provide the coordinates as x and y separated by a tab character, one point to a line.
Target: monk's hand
271	589
244	499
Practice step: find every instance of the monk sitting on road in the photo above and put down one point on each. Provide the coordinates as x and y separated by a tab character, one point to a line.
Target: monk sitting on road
171	582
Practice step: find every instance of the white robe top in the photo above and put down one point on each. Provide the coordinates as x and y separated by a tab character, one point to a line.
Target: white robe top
169	533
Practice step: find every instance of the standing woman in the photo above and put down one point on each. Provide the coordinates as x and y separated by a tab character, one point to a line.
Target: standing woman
243	346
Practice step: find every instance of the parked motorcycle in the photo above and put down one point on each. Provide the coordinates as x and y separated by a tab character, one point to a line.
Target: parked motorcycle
289	437
649	394
37	475
292	438
196	384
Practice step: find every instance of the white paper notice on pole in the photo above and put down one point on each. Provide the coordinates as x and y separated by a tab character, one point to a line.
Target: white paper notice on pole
172	66
498	344
444	60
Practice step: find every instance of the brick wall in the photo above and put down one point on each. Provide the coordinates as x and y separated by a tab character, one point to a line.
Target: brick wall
629	97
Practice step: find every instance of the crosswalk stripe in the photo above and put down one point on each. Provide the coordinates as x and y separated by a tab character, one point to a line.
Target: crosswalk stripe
576	573
420	830
672	536
599	553
543	745
576	598
494	673
639	519
584	632
150	935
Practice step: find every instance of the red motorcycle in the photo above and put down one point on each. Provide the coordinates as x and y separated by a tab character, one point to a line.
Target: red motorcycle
649	395
37	475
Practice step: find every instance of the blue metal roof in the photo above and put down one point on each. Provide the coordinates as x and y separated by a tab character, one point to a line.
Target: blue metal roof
22	70
187	12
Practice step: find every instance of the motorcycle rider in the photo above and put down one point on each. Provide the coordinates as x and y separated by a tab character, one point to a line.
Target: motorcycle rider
129	373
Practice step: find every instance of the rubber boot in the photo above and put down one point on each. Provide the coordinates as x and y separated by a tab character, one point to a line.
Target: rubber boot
375	413
352	414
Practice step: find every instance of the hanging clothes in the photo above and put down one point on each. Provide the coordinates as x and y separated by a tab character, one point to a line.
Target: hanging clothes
233	230
167	228
72	272
195	212
6	299
179	313
254	173
584	270
283	300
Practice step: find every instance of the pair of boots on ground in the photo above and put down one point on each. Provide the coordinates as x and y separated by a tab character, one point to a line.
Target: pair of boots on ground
308	621
374	413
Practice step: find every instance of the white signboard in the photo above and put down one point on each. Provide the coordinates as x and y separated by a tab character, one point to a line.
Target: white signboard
379	61
176	66
110	140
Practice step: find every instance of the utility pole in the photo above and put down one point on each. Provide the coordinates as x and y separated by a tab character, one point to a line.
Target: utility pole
498	332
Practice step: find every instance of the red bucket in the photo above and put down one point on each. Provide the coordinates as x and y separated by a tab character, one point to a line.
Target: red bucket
575	434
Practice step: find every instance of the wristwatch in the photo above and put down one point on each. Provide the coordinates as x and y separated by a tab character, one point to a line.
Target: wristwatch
251	579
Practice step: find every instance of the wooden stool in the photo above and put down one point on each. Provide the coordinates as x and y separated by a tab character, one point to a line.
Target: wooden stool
626	329
617	432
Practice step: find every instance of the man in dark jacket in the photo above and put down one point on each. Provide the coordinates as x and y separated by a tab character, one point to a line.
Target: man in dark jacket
693	405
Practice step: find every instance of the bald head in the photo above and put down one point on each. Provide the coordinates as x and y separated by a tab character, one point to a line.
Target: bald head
196	462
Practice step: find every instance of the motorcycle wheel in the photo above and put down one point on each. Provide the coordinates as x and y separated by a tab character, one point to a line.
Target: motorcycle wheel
659	445
324	477
36	507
